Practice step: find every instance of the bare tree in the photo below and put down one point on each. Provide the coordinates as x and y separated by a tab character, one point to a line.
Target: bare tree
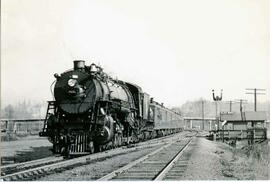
9	112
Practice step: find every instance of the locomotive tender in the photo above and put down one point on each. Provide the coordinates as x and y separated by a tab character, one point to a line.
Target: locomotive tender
93	112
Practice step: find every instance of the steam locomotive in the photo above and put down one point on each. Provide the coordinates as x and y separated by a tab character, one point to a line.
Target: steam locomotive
92	112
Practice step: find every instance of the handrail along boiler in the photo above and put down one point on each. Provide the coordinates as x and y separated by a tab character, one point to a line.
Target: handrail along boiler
93	112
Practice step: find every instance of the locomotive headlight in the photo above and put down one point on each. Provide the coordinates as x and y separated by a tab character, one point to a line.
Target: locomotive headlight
72	82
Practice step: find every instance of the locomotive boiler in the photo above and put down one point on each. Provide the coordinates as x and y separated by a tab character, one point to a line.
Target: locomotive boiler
92	112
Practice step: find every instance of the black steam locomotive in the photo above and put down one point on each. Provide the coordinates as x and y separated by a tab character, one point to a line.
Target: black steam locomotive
93	112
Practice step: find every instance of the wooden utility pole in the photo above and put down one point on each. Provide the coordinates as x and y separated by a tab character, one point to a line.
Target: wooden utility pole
202	114
230	102
241	101
255	95
230	106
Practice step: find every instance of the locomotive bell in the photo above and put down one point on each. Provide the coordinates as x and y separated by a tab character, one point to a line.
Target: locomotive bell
93	68
79	64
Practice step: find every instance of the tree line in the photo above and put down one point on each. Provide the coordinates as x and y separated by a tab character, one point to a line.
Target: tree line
30	109
201	107
24	110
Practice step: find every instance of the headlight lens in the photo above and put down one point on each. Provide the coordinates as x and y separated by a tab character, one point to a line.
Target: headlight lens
72	82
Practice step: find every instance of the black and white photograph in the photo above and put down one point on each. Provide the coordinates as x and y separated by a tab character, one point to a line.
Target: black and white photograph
135	90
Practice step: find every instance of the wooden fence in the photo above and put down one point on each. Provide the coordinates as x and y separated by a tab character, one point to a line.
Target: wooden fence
21	126
252	134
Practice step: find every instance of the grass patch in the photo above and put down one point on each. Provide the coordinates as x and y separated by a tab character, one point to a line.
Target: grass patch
252	162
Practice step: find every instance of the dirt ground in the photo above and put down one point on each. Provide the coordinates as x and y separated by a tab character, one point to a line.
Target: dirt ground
97	169
27	148
218	161
207	160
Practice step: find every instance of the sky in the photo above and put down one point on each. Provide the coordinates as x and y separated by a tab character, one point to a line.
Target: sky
177	51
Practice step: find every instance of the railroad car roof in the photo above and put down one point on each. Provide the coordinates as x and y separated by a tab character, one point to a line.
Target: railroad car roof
248	116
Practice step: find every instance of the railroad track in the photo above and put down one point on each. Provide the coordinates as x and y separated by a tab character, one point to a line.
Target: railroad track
160	164
33	170
14	168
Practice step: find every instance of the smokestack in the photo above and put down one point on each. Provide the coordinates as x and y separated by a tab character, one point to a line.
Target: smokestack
79	64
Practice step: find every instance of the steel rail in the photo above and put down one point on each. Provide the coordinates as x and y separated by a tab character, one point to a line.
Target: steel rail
144	158
12	168
163	173
26	163
37	171
126	167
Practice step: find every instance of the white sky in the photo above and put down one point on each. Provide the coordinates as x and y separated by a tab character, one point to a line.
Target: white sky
175	50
